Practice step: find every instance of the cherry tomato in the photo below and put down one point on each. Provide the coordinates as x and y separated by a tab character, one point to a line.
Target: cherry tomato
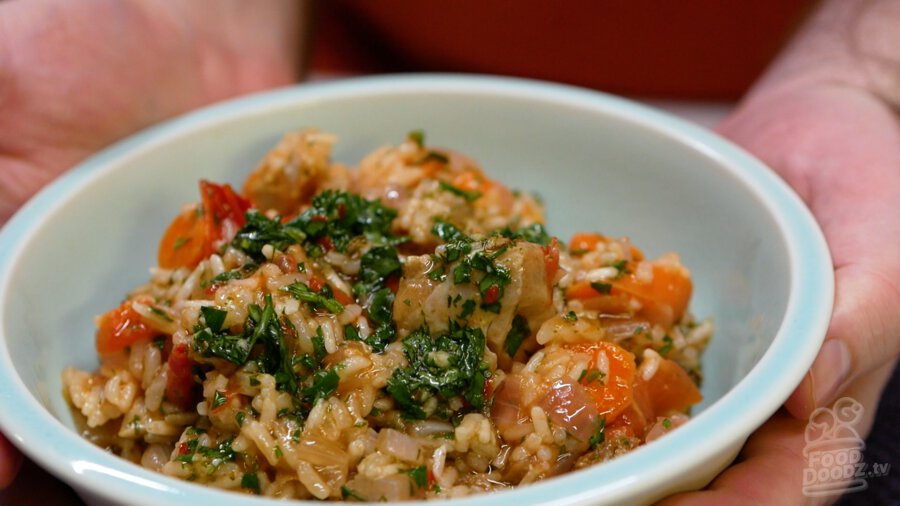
670	388
120	328
192	234
610	389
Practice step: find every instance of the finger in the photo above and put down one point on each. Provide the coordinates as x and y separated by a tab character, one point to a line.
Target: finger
10	461
769	469
773	457
853	189
863	336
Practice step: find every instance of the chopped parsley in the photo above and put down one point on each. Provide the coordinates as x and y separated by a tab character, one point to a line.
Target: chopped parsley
571	316
251	481
599	435
211	340
318	342
239	273
341	216
417	136
666	423
324	384
333	220
449	233
260	230
441	366
535	233
469	196
208	457
160	313
468	308
667	346
351	333
622	267
436	156
322	299
349	493
219	398
380	308
262	327
602	288
418	475
592	375
517	335
375	267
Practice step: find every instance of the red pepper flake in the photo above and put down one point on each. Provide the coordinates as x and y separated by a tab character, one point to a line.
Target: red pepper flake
491	294
325	242
393	283
551	260
316	284
183	448
488	389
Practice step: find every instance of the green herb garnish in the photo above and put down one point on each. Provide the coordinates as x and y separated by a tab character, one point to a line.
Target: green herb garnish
316	300
599	435
469	196
517	334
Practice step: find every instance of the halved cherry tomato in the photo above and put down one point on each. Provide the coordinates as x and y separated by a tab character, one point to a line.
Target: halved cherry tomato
180	386
184	243
670	389
635	418
220	204
612	303
121	327
665	298
612	391
582	242
192	234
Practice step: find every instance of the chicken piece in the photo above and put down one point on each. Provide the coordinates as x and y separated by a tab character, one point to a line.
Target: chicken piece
294	171
422	300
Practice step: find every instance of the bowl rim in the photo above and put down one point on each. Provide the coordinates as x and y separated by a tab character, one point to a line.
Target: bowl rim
73	459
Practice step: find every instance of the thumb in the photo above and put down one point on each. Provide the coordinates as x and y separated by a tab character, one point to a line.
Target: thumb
864	334
10	461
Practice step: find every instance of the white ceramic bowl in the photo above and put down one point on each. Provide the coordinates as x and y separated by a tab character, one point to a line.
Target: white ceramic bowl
760	265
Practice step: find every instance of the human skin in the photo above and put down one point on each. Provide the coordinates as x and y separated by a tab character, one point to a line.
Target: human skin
76	76
822	117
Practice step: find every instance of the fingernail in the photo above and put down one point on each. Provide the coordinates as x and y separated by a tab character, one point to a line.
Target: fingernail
830	371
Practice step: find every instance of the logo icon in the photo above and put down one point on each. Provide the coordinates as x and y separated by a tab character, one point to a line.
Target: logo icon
834	450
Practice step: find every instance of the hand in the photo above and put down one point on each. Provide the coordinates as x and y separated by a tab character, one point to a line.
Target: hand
833	136
76	76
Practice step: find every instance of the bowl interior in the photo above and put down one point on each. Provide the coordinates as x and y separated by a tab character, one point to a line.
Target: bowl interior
608	167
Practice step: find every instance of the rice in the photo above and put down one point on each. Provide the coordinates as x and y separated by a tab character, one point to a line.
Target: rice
440	347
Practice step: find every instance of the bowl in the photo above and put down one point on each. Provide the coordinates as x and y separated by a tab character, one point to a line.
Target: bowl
760	266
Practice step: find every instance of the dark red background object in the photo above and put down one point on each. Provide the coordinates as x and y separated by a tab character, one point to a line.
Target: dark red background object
710	49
